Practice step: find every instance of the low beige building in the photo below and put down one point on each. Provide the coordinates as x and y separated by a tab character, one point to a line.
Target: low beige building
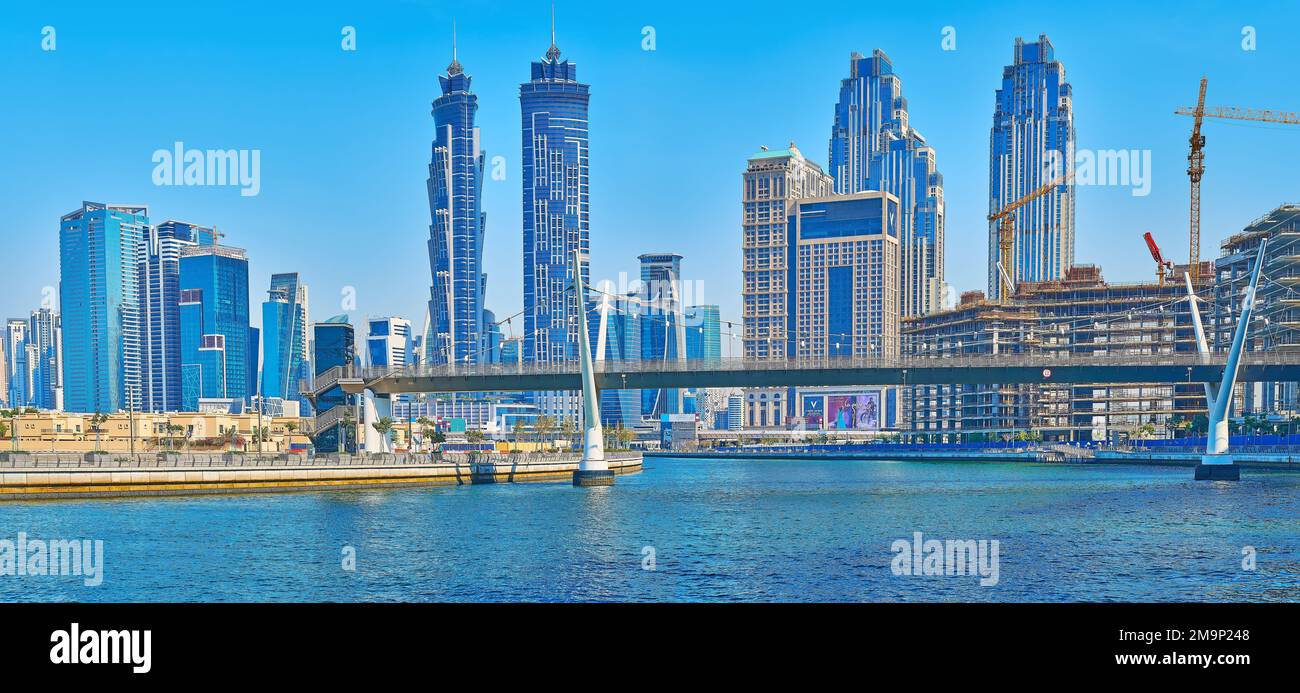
50	431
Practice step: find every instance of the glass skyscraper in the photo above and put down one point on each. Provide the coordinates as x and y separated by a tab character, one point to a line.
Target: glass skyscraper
44	359
619	340
455	186
159	269
285	356
100	303
214	324
663	334
334	344
19	370
874	147
1032	142
556	214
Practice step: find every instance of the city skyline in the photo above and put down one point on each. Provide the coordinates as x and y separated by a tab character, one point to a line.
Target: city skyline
616	217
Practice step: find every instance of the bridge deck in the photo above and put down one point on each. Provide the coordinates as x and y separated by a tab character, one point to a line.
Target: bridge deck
976	370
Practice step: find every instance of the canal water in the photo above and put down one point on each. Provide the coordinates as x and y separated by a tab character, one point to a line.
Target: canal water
697	530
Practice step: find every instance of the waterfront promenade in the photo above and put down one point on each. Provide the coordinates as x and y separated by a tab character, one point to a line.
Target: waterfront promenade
26	476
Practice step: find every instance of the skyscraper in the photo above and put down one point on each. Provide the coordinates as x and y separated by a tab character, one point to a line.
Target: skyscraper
663	333
1031	143
774	180
214	322
19	374
44	359
285	346
874	147
388	343
703	332
99	298
556	214
844	255
159	270
455	189
616	336
334	344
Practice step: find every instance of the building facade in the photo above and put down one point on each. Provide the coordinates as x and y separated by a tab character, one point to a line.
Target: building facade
286	356
214	324
456	233
1030	145
773	182
100	306
874	147
556	215
389	343
616	336
18	375
1277	312
45	359
845	301
334	343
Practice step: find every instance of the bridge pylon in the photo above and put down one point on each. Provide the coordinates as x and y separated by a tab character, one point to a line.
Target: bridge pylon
1216	464
593	470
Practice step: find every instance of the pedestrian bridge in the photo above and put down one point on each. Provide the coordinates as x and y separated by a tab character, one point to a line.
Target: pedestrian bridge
1011	369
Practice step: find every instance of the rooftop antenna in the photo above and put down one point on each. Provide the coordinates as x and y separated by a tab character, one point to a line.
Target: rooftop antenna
553	53
454	68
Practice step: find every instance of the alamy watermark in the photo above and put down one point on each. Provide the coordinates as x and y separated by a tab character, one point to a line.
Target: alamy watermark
951	557
200	167
1129	168
54	557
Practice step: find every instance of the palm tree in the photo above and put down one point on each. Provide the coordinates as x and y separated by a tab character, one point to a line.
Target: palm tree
569	429
383	426
543	426
426	430
172	430
97	421
518	431
346	423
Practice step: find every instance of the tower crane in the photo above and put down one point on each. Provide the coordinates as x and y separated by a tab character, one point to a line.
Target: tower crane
1196	158
1006	219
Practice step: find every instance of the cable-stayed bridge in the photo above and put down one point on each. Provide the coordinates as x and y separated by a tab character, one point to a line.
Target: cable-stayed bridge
1190	368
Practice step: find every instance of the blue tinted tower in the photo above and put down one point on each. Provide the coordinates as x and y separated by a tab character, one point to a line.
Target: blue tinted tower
285	357
556	214
214	324
100	303
455	188
874	147
1030	144
334	344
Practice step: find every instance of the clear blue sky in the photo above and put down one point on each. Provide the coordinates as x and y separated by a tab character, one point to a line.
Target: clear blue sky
345	136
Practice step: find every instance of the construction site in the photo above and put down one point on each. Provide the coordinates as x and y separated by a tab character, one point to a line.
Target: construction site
1081	314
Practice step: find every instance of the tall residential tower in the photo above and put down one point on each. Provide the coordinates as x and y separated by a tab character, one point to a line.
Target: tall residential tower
556	214
455	186
1031	143
100	304
874	147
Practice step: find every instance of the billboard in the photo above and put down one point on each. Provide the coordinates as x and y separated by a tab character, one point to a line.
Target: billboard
853	412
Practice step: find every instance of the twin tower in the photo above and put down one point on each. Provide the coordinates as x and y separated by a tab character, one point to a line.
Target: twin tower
556	217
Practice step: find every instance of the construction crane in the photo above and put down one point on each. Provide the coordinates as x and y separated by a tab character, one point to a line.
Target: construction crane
1006	219
1196	159
1162	265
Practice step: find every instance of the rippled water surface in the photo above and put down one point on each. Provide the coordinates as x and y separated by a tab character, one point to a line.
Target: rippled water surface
769	530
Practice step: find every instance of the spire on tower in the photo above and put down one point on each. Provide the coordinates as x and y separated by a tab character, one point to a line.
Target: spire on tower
454	68
553	53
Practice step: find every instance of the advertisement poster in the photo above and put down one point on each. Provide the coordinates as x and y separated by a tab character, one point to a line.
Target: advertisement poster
857	412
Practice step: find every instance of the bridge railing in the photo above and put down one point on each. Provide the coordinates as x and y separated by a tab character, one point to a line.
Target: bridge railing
856	362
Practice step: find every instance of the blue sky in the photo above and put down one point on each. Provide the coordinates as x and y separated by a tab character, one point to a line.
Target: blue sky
345	136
